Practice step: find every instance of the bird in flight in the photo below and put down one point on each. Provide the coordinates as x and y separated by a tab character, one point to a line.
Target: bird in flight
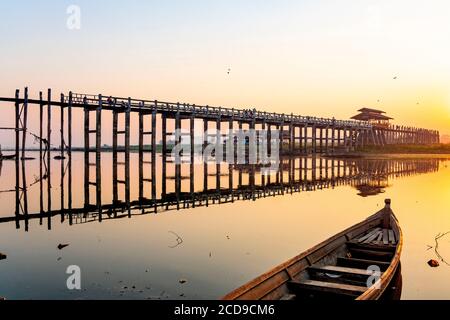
395	78
229	70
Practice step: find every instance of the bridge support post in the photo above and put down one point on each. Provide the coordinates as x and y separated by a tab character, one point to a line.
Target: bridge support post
127	156
305	145
314	139
333	138
164	155
24	123
98	156
86	153
141	152
154	113
192	160
61	130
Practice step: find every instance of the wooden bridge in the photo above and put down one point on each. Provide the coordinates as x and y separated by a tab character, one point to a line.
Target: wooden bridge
299	134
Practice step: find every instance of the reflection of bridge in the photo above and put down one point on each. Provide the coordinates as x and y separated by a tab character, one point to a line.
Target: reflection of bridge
294	175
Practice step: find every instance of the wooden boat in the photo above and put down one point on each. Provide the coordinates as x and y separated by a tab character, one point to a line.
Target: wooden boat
358	263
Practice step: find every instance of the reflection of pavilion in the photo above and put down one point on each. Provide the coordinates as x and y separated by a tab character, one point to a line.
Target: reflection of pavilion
219	185
366	190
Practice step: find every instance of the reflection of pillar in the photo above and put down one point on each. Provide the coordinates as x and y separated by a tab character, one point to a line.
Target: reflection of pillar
17	192
69	192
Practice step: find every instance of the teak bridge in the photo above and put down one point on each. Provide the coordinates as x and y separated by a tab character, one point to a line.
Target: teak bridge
299	134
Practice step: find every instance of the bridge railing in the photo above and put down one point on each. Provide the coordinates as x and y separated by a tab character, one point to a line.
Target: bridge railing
238	114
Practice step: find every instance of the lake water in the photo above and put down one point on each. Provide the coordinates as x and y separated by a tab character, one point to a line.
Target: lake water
142	248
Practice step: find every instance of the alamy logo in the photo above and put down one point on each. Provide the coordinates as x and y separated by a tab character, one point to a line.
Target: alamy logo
374	279
74	17
251	147
74	280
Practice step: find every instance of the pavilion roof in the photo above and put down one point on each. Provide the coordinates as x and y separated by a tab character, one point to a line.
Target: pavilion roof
369	110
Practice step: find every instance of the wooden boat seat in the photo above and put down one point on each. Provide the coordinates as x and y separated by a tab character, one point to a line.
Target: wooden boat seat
376	255
378	236
361	263
369	246
327	287
336	270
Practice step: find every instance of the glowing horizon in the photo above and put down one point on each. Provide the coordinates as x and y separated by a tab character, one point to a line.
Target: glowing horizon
323	59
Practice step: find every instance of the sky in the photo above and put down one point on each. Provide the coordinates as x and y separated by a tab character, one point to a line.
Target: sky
321	58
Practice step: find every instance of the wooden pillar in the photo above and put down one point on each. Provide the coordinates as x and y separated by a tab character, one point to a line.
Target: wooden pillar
164	154
231	153
154	113
86	152
127	155
314	139
205	159
61	130
178	156
17	131
49	132
291	138
24	124
321	140
41	129
98	145
69	120
192	161
141	151
333	138
305	136
219	153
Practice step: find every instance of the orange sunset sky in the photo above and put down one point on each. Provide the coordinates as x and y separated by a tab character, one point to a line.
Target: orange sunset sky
318	58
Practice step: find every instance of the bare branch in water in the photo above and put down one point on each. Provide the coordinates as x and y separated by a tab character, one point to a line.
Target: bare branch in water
178	239
436	248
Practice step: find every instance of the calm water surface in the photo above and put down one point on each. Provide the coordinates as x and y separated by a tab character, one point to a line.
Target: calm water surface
223	245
